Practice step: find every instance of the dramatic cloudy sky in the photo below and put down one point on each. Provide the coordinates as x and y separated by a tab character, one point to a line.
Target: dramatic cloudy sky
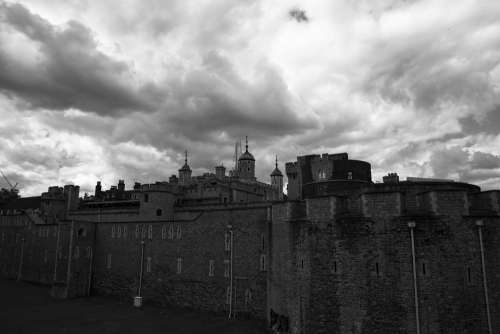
103	90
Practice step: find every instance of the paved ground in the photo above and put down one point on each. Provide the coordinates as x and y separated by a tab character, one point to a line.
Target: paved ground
27	308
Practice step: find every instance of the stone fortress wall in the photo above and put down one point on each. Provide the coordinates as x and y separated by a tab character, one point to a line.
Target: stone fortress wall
372	258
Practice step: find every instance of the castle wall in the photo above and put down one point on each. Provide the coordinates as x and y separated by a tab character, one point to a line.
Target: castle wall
361	273
196	238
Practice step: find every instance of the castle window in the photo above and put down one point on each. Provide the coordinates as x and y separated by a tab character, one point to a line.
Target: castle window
424	269
125	231
137	227
171	232
226	268
211	268
248	297
119	232
148	264
335	269
82	232
263	262
89	252
228	295
113	231
108	261
179	265
179	232
158	212
469	275
301	263
163	232
143	232
349	175
377	269
146	198
150	232
77	252
227	242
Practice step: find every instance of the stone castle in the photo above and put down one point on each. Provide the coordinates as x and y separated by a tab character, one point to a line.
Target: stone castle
337	254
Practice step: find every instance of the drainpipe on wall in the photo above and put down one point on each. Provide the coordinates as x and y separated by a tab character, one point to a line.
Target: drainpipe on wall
70	256
57	252
230	227
21	260
138	298
412	225
479	225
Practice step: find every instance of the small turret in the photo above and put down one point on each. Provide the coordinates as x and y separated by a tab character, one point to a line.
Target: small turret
277	181
185	171
246	164
220	171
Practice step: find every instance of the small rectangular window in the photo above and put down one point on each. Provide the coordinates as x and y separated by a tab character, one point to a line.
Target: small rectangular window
377	270
171	232
137	231
179	265
262	262
113	231
349	175
335	269
248	297
150	232
148	264
119	232
125	232
146	198
108	261
158	212
163	232
228	295
226	268
227	242
89	252
179	232
143	232
211	268
469	275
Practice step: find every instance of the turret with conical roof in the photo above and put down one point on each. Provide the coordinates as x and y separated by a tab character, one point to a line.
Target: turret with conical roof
246	164
277	181
185	171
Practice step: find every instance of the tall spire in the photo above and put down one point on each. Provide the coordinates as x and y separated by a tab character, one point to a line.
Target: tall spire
246	143
276	161
186	157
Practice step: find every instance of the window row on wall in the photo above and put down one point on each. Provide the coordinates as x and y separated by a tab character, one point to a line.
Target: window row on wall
248	296
143	230
423	270
211	264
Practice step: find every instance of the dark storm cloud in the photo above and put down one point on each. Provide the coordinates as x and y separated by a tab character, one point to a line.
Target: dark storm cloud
455	162
482	160
69	72
299	15
489	124
440	67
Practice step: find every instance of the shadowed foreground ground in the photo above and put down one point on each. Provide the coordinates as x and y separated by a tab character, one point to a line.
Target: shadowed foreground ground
26	308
